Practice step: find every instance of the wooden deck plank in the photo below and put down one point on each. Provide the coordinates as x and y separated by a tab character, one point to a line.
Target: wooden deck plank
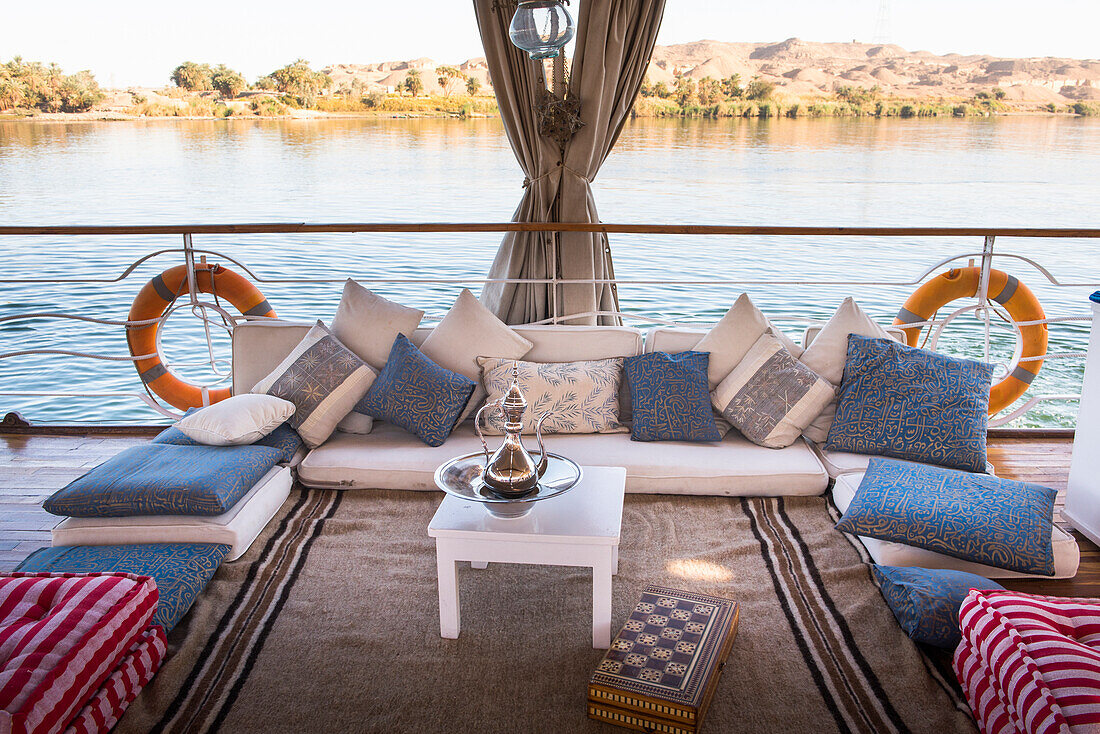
33	466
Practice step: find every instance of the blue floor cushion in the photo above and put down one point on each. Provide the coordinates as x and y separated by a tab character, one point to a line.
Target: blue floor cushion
284	438
976	517
163	479
926	601
181	570
909	403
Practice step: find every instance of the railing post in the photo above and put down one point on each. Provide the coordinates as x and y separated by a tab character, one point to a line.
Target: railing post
1082	508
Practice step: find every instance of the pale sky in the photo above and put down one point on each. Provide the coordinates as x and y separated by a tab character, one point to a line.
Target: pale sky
126	42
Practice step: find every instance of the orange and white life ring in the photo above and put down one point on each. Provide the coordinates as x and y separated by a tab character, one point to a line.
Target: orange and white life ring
154	300
1017	299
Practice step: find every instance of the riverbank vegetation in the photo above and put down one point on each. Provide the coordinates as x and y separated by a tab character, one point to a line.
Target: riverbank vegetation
297	90
32	85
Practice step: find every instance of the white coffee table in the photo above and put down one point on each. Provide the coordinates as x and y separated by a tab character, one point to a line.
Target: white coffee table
579	528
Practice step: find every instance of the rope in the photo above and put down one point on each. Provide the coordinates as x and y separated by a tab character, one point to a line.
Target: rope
528	181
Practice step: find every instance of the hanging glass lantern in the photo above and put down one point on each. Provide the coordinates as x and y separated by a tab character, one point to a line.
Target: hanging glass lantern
541	28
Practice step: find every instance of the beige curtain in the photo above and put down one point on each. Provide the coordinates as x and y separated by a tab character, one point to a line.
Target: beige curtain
615	40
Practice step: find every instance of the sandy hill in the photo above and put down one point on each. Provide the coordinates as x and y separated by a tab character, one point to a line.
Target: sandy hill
804	68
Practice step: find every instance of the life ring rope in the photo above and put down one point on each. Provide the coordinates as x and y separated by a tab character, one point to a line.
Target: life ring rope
152	304
1013	296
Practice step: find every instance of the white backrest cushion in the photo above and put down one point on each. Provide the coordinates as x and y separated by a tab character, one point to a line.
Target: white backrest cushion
259	347
580	343
672	339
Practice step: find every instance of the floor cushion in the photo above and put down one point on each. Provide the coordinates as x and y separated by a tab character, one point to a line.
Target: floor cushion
1030	663
181	570
926	601
975	517
162	479
62	636
135	671
1067	556
390	458
237	527
843	462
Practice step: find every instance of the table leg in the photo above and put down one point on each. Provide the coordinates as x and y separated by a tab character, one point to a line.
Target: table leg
615	562
602	570
479	564
447	571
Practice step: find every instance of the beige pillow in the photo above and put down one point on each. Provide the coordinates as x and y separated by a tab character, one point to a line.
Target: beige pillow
323	379
731	338
467	331
238	420
582	397
828	352
770	397
367	324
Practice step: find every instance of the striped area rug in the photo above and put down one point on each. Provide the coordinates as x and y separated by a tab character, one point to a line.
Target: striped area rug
330	623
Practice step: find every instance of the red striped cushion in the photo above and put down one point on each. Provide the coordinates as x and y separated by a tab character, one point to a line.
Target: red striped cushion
133	673
985	704
1040	656
61	635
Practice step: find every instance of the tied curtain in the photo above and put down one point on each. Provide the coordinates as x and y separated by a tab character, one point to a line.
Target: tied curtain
615	40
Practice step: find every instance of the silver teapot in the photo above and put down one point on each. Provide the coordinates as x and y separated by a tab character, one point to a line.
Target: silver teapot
511	471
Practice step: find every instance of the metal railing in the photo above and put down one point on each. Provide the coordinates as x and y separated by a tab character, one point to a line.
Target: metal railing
214	316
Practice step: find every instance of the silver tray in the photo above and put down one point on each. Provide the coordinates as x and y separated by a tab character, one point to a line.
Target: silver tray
461	477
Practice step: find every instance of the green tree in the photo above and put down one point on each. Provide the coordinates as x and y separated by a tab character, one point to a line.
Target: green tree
228	81
46	88
709	91
760	89
660	89
412	83
448	77
473	86
999	93
731	86
193	77
686	92
299	80
79	92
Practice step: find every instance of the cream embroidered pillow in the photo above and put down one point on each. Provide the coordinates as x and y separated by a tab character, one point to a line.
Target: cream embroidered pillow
770	396
582	397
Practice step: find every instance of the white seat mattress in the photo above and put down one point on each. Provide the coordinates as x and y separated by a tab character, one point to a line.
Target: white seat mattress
237	527
841	462
1067	556
391	458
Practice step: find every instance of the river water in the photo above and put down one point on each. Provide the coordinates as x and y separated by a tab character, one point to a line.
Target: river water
999	172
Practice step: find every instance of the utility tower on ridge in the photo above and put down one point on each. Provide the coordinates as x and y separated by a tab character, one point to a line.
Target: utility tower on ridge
884	31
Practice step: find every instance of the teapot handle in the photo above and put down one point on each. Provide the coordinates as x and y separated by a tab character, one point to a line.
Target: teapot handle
477	427
543	461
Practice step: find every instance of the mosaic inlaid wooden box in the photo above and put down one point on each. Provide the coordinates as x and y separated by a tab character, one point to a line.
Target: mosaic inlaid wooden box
662	668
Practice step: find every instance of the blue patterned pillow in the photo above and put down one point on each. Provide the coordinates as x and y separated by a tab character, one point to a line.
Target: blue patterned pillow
670	396
926	601
416	394
909	403
161	479
976	517
284	438
181	570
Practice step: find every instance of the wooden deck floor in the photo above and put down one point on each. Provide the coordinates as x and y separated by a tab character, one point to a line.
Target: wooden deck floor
33	466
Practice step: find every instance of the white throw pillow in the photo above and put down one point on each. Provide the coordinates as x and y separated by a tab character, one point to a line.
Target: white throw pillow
466	332
733	336
828	353
238	420
367	324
